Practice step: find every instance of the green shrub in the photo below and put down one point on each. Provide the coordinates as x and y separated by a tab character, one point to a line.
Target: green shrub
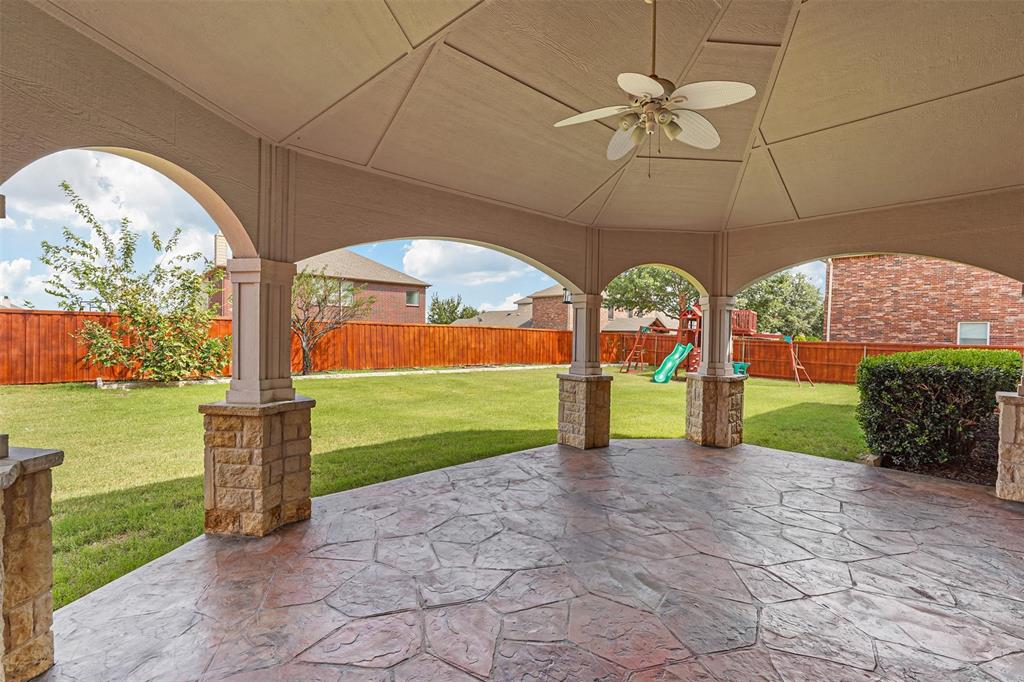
921	409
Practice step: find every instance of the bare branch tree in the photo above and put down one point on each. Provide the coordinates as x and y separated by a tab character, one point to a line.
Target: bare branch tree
321	304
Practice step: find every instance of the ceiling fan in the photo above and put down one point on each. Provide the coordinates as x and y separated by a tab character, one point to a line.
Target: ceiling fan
656	103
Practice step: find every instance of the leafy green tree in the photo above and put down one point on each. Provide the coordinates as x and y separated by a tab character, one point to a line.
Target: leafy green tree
321	304
163	315
447	310
785	303
646	289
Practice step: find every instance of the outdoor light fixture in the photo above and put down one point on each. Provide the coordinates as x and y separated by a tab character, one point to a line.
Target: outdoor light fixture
566	296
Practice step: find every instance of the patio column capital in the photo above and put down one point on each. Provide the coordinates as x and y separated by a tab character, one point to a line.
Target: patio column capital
261	291
586	334
716	331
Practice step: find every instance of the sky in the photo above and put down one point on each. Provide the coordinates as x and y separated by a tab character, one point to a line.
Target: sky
115	187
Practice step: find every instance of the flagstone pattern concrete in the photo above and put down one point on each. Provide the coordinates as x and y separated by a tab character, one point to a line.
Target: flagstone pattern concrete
647	560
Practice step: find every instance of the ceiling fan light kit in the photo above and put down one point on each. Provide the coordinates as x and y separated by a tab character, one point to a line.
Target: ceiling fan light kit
657	104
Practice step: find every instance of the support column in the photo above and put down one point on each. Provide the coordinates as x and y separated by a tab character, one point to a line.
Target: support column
261	341
26	561
1010	482
584	394
257	455
714	394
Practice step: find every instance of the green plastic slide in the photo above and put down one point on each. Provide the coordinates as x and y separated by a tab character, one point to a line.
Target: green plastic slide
668	366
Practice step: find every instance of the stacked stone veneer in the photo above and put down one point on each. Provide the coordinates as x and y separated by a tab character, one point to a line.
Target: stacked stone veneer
257	463
1010	483
26	558
584	410
714	410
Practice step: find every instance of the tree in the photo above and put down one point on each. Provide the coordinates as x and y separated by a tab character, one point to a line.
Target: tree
321	304
785	303
647	289
447	310
163	316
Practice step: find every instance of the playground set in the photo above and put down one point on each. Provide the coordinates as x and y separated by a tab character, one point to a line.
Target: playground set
686	353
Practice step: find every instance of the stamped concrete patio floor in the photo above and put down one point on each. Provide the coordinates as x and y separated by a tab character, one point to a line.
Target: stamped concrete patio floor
648	560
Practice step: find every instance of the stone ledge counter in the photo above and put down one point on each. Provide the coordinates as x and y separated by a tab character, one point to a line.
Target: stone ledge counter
26	561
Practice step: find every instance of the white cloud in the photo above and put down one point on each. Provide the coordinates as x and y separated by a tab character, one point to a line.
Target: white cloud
458	263
112	186
9	223
815	271
508	304
17	282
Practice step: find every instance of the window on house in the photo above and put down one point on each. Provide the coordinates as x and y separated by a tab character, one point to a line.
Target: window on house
972	333
412	298
611	313
343	296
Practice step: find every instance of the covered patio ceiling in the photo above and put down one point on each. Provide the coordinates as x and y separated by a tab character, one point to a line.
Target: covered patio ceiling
647	560
860	105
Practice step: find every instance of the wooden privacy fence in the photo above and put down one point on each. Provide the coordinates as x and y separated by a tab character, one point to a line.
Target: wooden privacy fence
825	361
37	347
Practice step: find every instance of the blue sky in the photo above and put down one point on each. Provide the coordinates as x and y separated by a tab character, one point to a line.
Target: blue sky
115	187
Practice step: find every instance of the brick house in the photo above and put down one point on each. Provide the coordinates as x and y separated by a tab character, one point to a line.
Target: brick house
398	297
909	299
549	310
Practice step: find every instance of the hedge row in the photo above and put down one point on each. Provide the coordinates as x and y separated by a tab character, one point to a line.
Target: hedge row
923	408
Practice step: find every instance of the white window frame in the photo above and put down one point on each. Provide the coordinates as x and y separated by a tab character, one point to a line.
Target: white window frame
417	293
988	331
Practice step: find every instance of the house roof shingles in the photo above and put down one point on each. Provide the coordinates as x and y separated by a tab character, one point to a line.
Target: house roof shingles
345	264
497	318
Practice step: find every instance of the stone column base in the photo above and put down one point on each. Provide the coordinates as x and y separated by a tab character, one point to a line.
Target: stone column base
584	410
26	578
257	464
1010	483
714	409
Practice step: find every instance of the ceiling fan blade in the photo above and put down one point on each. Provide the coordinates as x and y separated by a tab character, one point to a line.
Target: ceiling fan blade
621	143
696	131
712	94
639	84
603	112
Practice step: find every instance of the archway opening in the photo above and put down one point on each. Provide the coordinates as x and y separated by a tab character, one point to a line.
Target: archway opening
130	487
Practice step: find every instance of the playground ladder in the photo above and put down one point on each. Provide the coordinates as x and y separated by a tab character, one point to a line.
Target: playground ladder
798	366
635	358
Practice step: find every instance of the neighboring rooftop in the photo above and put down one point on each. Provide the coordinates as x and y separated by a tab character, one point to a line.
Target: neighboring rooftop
346	264
632	324
553	290
498	318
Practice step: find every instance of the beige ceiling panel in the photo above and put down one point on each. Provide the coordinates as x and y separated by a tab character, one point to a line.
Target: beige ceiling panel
269	63
850	60
762	197
353	127
573	51
758	139
421	19
680	194
501	146
757	22
588	211
723	62
965	143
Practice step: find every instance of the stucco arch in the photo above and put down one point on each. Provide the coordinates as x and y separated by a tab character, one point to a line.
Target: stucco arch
701	289
985	230
688	253
218	209
550	272
336	206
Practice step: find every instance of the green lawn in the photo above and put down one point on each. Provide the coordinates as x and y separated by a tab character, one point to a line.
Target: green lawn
131	485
